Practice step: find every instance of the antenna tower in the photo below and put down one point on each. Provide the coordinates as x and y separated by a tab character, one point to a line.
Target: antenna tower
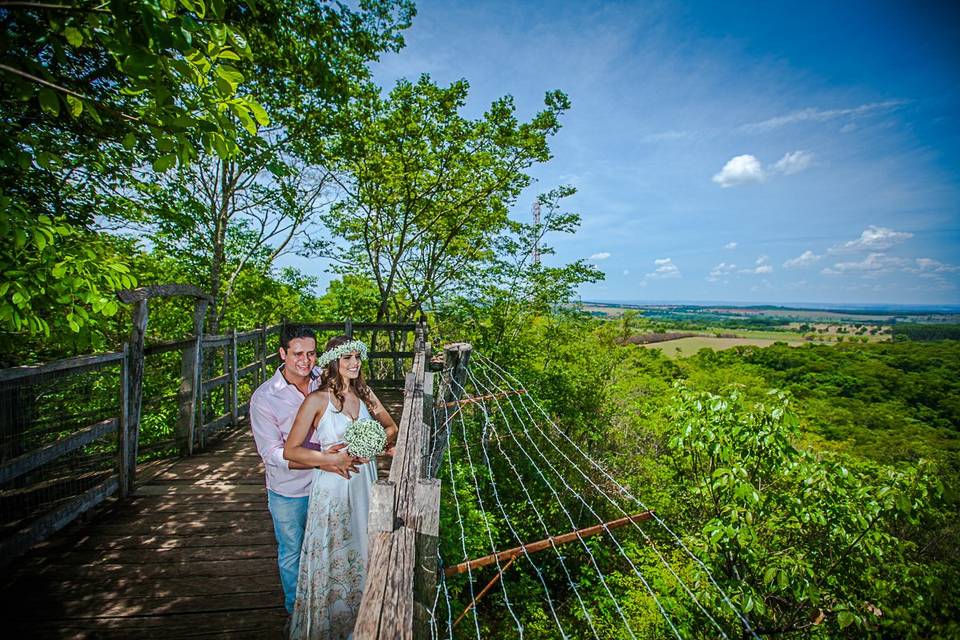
536	232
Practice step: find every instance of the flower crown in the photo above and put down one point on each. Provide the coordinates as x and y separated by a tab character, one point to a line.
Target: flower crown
341	350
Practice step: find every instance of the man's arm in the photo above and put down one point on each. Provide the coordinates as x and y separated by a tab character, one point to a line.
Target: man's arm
266	433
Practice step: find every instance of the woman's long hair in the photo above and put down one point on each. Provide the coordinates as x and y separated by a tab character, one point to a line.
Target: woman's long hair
331	380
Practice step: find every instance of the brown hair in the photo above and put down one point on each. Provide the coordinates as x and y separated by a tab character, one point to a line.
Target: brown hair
332	381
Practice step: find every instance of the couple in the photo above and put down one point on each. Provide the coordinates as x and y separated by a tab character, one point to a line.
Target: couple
317	493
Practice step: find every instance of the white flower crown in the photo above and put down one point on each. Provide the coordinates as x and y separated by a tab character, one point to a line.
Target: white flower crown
339	351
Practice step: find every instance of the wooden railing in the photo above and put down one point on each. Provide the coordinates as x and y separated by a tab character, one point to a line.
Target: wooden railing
72	431
405	510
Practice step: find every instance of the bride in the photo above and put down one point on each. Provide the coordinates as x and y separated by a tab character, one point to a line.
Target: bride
334	555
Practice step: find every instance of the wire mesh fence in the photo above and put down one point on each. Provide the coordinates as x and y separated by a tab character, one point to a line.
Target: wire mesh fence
59	431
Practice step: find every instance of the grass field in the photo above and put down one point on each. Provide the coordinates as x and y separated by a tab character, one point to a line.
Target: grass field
684	347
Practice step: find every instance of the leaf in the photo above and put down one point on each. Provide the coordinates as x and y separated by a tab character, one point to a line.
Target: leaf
76	106
73	36
164	162
49	101
129	141
258	112
230	74
845	619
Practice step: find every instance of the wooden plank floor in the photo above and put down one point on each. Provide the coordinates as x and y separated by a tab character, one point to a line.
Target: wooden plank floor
190	555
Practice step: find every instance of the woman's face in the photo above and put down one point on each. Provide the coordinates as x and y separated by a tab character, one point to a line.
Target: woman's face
349	365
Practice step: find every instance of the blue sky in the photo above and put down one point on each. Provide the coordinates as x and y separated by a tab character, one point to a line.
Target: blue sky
776	152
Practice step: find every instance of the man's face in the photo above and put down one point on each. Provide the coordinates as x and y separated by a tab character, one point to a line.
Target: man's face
300	357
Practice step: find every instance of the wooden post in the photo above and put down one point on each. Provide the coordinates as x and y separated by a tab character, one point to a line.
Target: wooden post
455	359
234	381
188	396
383	515
427	527
263	354
123	426
135	366
348	327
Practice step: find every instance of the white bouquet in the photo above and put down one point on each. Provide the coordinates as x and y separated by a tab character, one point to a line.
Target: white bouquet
365	438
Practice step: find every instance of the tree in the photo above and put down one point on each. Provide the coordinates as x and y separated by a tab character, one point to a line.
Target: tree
427	191
222	215
88	91
802	543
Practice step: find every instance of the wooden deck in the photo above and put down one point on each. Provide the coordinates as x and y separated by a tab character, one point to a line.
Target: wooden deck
190	555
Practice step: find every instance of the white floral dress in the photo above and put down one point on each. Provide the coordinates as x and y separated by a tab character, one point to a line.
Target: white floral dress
333	561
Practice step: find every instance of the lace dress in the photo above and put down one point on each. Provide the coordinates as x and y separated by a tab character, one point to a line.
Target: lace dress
333	561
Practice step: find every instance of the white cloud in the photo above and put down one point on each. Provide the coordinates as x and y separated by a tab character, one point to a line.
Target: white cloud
873	265
819	115
740	170
762	266
730	245
929	265
793	162
721	270
874	239
626	272
665	269
603	255
805	259
667	136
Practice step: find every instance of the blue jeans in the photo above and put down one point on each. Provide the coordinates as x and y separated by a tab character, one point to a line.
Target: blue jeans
289	521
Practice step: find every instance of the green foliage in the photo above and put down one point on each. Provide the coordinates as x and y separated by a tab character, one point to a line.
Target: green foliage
427	190
926	332
798	538
55	278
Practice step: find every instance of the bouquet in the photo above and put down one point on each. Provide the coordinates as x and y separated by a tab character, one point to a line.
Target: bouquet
365	438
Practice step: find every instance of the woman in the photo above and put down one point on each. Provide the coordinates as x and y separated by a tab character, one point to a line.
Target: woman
334	556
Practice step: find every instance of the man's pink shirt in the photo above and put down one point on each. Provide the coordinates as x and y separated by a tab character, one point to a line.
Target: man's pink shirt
273	408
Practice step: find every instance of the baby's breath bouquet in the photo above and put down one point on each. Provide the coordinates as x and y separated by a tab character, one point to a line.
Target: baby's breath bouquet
365	438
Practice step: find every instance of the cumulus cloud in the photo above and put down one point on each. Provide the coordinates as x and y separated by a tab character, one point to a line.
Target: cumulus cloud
805	259
762	265
793	162
740	170
873	265
811	114
730	245
748	169
665	269
603	255
929	265
873	239
720	271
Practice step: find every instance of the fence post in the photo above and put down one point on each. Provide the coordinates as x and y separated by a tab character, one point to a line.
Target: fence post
234	404
135	395
123	427
455	359
348	327
188	396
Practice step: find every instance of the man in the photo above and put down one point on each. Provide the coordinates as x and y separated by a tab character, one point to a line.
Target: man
273	407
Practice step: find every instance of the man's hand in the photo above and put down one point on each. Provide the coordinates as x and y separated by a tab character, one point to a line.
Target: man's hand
340	462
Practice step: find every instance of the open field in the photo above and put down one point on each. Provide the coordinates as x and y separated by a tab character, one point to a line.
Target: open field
684	347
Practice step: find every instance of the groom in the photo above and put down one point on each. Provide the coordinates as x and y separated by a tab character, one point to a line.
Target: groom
273	407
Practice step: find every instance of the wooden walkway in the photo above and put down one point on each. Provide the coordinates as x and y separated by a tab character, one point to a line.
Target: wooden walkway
190	555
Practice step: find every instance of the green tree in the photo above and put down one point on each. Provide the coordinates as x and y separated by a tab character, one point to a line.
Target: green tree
427	191
803	543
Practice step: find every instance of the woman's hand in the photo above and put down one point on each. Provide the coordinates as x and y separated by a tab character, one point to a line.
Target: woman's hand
338	461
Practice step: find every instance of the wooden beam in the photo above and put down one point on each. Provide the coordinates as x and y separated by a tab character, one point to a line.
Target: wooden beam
489	396
130	296
81	362
30	461
546	543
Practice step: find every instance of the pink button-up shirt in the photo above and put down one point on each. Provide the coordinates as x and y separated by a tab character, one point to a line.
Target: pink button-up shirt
273	407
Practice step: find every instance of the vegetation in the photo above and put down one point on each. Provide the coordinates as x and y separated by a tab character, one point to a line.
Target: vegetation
159	141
